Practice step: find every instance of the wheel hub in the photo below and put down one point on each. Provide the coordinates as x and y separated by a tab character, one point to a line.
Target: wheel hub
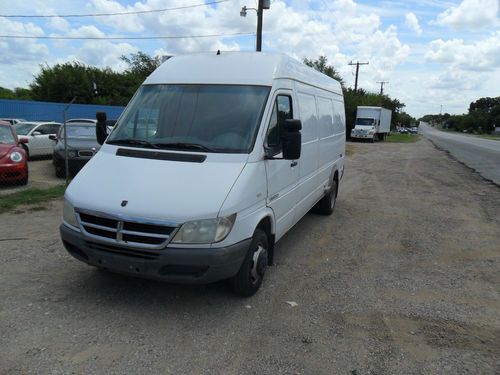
259	263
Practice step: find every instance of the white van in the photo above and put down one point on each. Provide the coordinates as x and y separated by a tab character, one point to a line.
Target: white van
214	159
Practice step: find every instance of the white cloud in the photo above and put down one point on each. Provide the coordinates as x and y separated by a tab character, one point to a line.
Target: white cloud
86	32
59	24
482	55
103	54
16	50
470	14
411	21
455	80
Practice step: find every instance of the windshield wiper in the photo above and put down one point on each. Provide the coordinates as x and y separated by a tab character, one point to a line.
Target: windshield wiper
186	146
132	142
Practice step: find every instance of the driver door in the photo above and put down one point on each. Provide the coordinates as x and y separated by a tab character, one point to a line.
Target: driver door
282	175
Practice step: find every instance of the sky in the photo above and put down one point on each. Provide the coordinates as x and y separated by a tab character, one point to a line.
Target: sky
435	54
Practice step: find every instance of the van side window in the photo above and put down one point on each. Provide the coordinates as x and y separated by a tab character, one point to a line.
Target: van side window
282	110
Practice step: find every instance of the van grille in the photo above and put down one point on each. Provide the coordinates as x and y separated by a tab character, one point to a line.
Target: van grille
124	232
86	153
129	252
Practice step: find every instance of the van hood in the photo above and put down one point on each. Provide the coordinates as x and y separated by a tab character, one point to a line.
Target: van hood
155	189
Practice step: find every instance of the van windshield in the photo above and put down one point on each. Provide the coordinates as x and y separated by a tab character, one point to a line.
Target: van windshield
364	121
209	118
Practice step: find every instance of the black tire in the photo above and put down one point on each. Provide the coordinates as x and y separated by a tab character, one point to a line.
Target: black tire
326	205
27	150
60	172
249	278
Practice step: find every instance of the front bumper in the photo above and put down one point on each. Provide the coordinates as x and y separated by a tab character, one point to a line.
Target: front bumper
75	164
362	136
13	172
179	265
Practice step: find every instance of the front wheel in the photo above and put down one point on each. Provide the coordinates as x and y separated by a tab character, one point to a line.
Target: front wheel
249	278
60	172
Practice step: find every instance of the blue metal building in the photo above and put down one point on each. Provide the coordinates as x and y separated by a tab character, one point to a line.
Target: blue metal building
47	111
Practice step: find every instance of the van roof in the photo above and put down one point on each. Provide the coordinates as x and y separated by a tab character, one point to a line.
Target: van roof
244	68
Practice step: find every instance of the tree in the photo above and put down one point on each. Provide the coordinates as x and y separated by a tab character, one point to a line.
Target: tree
17	93
62	82
483	116
141	65
321	65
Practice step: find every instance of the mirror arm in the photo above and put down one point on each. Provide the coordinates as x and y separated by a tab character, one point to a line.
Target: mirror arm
267	151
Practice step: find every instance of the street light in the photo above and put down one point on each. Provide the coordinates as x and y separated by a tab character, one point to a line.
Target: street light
263	4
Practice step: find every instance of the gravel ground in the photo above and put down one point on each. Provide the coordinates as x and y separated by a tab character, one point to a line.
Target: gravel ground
402	279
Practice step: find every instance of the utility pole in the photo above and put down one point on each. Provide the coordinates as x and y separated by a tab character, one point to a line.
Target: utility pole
382	86
263	4
357	63
260	16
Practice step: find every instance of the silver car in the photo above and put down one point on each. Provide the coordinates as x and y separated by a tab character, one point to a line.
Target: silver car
37	135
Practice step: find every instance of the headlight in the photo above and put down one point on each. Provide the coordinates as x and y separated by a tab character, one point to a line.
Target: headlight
16	157
205	231
69	215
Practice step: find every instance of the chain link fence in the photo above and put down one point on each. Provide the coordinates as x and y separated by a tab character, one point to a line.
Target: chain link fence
33	148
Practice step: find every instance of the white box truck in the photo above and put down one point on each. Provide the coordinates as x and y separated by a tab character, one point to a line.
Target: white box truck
372	123
214	159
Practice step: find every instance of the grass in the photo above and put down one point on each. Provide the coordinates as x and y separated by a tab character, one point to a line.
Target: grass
402	138
30	197
485	136
488	136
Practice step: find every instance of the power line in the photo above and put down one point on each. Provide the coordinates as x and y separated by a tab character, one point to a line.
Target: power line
111	14
120	37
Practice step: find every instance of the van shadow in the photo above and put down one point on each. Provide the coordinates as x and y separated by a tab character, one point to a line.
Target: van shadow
122	290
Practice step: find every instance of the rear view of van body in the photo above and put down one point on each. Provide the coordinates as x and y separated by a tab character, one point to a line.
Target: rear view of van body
215	158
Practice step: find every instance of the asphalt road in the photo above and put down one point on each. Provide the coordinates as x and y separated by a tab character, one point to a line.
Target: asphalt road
403	278
482	155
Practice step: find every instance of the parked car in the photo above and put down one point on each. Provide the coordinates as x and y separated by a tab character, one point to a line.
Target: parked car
239	153
82	145
37	136
12	121
403	131
13	160
413	130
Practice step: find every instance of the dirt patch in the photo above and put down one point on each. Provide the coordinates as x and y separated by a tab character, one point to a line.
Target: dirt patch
402	279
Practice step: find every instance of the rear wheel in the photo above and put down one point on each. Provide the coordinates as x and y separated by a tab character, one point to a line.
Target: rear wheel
327	204
249	278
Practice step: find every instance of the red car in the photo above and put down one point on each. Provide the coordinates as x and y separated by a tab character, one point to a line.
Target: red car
13	161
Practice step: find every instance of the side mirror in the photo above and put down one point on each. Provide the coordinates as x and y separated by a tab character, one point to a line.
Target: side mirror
292	139
23	140
53	137
36	133
101	130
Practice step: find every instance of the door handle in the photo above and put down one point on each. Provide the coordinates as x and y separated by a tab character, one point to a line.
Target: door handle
294	163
